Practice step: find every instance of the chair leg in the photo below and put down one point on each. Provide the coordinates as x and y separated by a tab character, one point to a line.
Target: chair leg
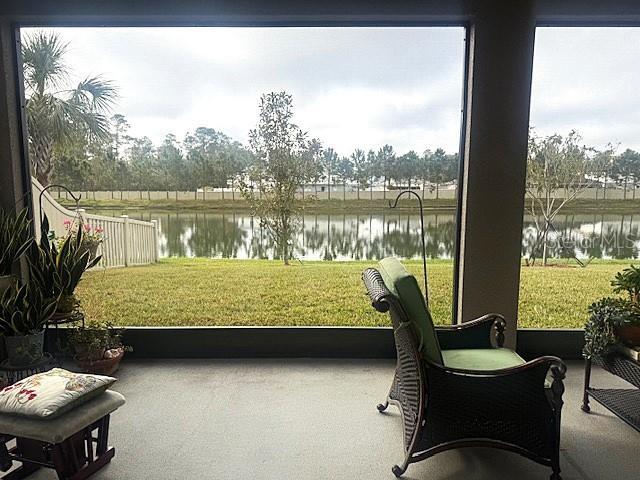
587	380
398	470
383	406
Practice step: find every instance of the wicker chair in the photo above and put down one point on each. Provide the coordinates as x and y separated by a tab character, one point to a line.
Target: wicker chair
475	393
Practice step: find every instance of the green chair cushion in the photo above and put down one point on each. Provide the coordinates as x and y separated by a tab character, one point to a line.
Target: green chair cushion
484	359
481	358
404	286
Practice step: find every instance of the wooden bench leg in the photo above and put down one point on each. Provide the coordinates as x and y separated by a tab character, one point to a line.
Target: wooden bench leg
23	471
74	458
29	449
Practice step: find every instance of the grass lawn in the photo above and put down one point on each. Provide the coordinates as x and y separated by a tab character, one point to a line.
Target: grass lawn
179	292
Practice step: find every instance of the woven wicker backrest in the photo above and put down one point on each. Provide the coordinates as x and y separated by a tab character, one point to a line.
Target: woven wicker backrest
405	287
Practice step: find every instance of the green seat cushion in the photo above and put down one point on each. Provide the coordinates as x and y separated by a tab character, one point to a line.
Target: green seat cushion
481	358
405	286
484	359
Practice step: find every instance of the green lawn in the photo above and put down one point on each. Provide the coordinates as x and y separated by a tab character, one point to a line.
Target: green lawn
179	292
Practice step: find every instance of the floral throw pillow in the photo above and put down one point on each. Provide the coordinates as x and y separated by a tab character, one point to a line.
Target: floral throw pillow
49	394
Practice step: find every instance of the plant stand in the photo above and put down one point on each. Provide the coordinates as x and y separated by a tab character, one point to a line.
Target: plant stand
76	317
14	374
622	402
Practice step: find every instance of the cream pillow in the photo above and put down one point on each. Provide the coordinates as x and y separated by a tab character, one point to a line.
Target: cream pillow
49	394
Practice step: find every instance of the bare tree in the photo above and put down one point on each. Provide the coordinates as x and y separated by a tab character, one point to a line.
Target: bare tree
559	169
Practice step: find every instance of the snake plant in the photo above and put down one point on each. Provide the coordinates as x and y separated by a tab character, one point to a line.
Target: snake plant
24	310
57	271
15	238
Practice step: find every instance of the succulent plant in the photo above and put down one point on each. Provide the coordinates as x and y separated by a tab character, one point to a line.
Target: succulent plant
628	280
57	272
15	238
24	310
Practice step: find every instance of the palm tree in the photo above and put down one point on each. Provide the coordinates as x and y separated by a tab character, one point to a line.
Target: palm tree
56	114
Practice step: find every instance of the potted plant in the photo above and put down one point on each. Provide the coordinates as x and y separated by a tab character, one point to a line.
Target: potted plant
614	320
97	347
92	237
57	271
15	240
24	313
628	281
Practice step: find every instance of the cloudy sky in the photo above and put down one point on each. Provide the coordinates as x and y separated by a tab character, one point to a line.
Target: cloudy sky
353	87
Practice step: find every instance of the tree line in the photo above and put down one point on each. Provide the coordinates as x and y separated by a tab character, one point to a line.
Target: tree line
74	140
207	158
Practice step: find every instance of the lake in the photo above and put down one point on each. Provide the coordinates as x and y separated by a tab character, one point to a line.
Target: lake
372	236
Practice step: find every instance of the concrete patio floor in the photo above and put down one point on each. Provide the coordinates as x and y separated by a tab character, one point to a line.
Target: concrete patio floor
316	419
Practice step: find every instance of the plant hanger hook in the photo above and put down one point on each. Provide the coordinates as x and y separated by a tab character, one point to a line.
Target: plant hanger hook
424	248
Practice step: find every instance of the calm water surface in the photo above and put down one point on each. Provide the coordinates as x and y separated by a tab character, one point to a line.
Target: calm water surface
370	237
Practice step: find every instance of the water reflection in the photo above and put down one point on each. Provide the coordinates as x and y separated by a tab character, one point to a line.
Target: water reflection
370	237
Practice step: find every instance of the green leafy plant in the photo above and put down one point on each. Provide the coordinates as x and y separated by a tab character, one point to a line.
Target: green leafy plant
628	280
57	272
599	334
94	339
609	314
92	237
24	310
15	238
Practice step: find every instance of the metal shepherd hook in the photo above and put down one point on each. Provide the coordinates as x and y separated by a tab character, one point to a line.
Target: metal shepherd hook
75	199
424	248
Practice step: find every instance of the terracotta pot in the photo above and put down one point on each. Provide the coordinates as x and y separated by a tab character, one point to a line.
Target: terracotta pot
629	335
104	366
24	350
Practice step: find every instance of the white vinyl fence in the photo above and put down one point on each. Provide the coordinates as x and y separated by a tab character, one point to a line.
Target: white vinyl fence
126	241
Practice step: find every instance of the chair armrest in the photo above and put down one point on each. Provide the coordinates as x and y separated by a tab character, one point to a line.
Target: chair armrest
473	334
376	289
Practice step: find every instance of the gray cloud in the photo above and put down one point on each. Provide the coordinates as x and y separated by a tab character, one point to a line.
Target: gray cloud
355	87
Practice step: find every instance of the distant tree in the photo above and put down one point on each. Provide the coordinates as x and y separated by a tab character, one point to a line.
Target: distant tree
56	114
556	164
282	165
424	169
604	168
385	161
361	170
344	172
330	166
170	163
144	174
372	167
213	158
71	163
626	169
407	167
438	168
315	153
119	129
